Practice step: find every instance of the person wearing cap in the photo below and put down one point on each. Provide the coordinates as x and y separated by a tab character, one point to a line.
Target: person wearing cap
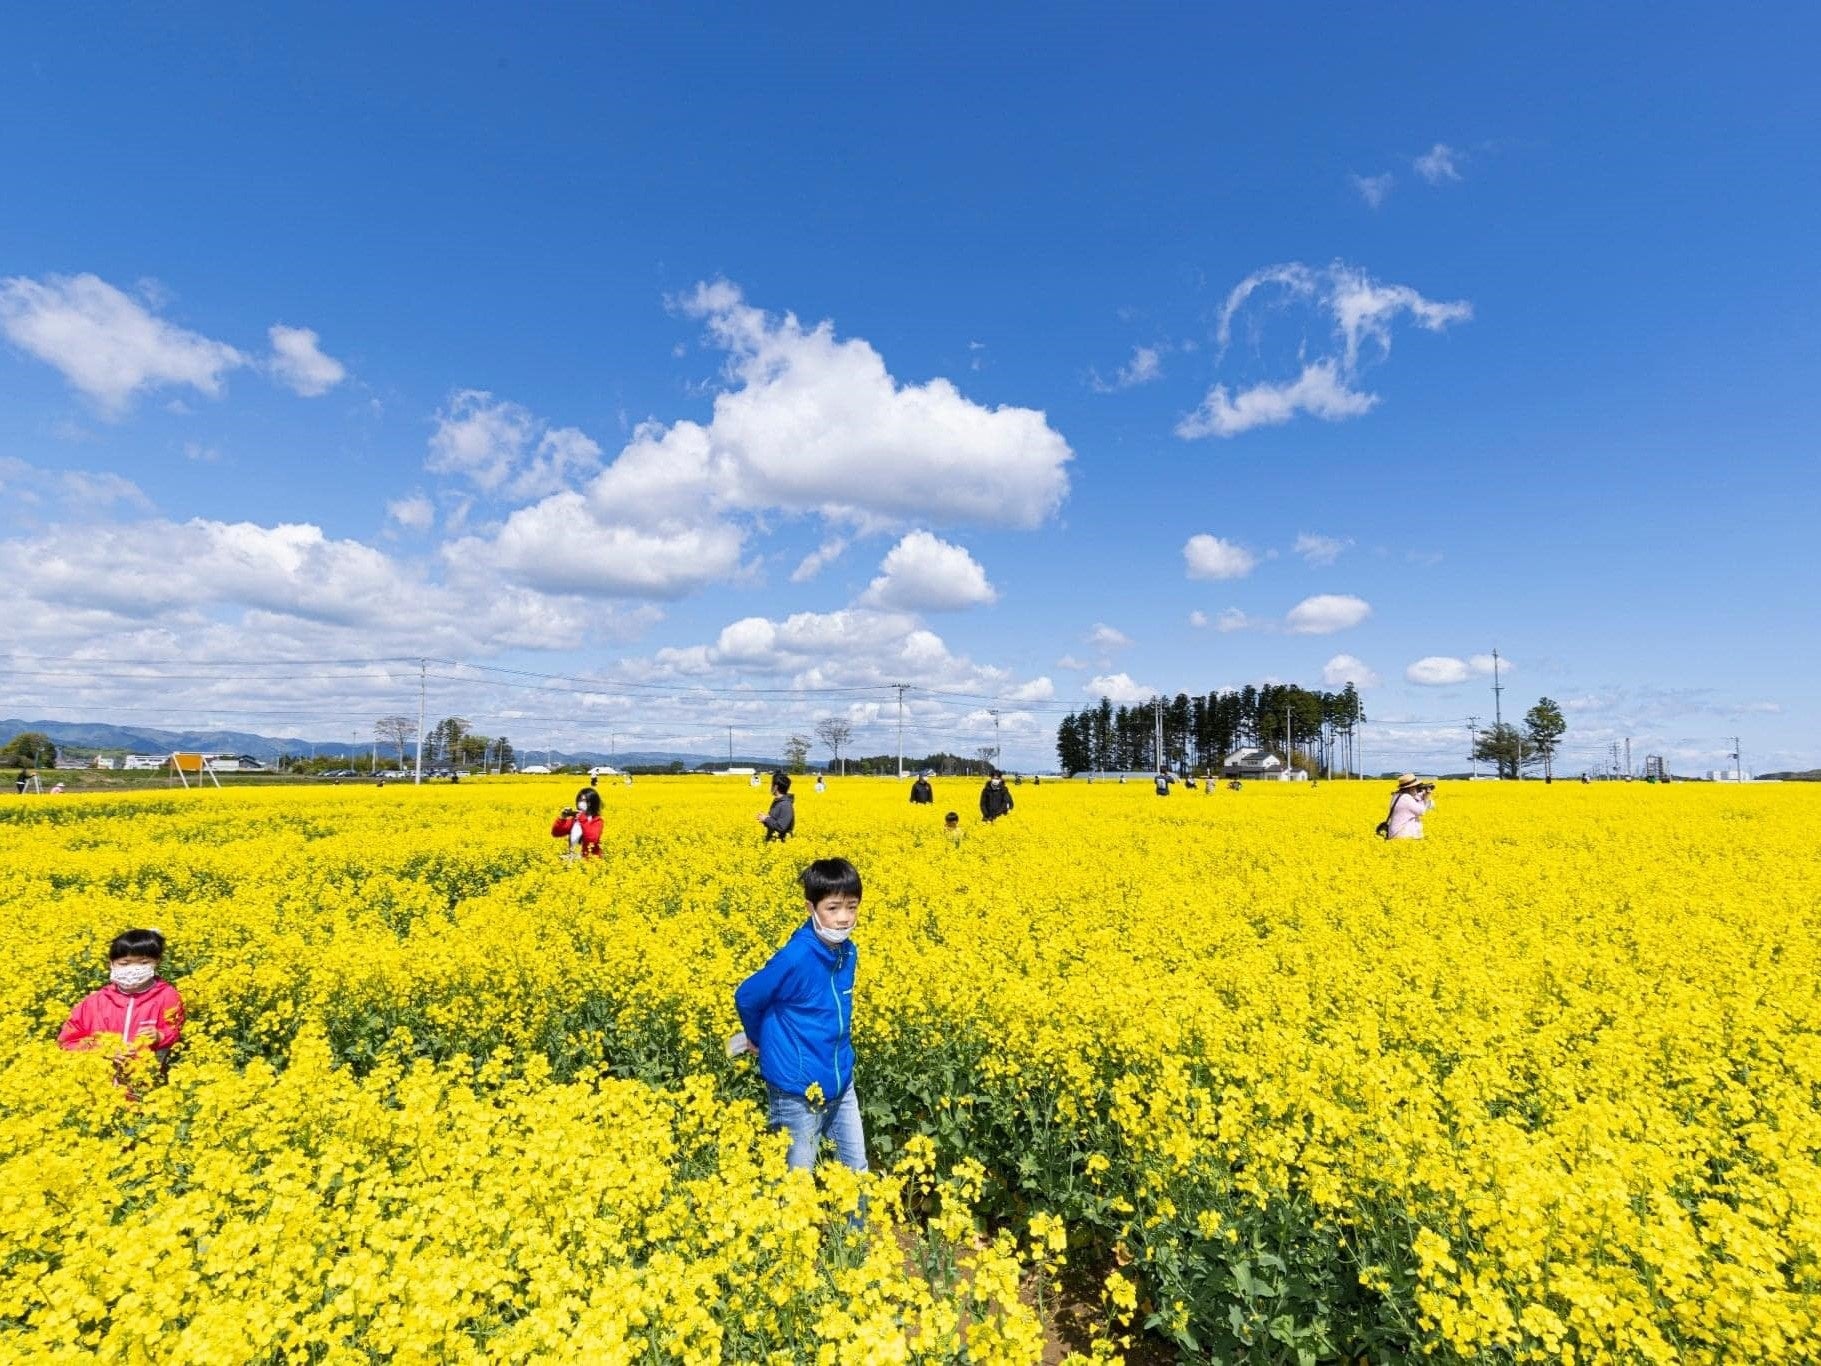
1408	804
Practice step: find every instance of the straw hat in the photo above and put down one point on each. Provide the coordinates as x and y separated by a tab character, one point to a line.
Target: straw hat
1407	780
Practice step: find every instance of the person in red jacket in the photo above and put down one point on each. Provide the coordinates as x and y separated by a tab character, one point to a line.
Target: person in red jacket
581	824
136	1006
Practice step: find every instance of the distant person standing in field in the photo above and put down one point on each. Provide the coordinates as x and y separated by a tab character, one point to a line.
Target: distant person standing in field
581	825
995	798
1163	781
797	1014
921	792
781	819
1408	804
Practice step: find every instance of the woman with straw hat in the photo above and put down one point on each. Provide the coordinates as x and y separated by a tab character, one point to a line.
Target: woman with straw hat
1408	804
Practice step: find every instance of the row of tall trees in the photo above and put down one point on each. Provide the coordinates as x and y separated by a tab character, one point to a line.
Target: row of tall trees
1200	731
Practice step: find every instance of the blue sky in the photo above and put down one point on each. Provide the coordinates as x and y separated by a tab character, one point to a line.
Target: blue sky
563	341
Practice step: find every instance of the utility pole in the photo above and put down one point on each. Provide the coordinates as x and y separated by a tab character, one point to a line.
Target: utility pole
423	667
901	687
1473	743
1159	756
995	737
1498	712
1738	765
730	746
1627	756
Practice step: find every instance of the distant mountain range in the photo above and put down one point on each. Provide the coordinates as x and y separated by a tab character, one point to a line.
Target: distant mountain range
95	735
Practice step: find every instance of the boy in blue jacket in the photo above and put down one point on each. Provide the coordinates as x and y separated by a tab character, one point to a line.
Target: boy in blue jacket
797	1011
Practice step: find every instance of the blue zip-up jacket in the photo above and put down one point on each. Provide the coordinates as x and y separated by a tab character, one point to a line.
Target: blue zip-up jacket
799	1010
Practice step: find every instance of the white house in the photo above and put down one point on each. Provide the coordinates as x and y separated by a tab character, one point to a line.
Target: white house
141	762
234	763
1257	764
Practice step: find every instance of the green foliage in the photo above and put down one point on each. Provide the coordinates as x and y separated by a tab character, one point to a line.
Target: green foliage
31	748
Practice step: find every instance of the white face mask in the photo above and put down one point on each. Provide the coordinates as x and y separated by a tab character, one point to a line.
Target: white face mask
132	976
826	935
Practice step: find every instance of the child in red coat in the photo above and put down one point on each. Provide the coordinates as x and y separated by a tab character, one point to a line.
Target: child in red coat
137	1005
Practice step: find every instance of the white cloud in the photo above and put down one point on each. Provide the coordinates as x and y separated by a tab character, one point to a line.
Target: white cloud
85	494
1104	637
813	423
1374	189
1118	688
1482	664
1145	366
254	584
1365	309
1232	620
1198	619
1209	557
299	363
1345	669
502	448
1436	671
1321	391
1439	671
923	573
1037	690
819	559
414	512
1440	163
1358	309
1070	662
105	343
852	647
1320	550
479	438
205	455
560	546
1326	613
809	423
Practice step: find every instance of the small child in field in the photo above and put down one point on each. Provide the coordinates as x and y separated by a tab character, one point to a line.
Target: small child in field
136	1004
798	1012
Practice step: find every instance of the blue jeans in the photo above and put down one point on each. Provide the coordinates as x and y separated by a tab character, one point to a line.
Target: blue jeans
809	1124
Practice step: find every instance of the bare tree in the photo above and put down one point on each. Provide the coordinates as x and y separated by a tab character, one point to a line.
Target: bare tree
988	753
835	733
396	731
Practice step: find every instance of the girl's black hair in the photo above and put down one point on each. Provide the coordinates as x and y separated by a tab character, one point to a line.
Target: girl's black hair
589	801
136	944
828	877
780	782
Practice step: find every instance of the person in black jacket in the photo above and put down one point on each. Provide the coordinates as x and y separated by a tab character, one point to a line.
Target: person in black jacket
995	798
781	819
921	795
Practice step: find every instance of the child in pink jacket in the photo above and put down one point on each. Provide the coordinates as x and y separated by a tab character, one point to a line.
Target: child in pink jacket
136	1005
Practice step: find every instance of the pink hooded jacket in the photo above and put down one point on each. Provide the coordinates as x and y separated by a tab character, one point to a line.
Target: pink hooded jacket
157	1011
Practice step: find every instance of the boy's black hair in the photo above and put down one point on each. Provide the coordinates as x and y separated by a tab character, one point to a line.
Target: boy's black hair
136	944
828	877
780	782
952	816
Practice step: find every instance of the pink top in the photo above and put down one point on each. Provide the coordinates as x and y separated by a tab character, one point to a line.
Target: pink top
153	1016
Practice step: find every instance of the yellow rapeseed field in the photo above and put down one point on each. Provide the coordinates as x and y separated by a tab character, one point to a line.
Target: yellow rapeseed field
1543	1087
